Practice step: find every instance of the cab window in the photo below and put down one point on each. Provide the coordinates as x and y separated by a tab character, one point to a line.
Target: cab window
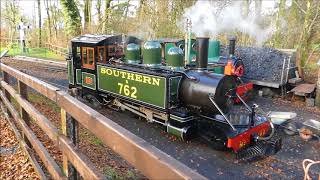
101	54
87	57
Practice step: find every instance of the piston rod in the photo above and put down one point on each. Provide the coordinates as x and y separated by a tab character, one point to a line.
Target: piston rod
221	112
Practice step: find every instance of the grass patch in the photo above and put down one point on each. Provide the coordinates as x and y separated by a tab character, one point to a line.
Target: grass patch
43	53
96	141
110	173
131	175
92	139
36	98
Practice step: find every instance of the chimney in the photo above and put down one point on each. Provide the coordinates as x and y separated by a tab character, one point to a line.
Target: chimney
232	46
202	52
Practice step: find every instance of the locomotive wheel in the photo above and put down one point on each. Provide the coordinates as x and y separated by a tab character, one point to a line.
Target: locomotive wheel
93	101
218	142
215	137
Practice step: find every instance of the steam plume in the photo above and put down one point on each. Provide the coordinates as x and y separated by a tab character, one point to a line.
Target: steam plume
210	19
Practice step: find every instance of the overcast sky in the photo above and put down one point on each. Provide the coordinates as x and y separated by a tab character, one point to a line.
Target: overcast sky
29	7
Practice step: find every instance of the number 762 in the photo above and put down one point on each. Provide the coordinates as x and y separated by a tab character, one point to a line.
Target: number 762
127	90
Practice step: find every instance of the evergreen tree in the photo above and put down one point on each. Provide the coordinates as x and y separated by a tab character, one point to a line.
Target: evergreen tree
72	17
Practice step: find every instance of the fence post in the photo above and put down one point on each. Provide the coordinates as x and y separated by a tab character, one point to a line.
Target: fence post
6	93
23	91
69	129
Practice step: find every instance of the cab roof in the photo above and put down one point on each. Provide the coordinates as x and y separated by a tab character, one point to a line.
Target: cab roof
91	38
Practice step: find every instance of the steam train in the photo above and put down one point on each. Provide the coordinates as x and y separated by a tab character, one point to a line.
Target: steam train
157	84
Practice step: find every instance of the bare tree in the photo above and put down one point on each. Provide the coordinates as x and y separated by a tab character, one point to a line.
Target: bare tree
46	3
87	15
39	16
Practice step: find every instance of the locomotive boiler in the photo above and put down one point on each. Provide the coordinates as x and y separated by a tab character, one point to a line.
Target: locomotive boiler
123	73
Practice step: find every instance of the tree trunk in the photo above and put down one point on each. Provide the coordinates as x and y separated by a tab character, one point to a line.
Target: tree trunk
54	23
49	19
304	39
87	15
39	16
107	16
99	11
281	13
72	17
317	102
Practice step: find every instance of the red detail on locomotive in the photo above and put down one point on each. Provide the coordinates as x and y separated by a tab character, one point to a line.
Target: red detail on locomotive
88	80
242	90
238	71
245	138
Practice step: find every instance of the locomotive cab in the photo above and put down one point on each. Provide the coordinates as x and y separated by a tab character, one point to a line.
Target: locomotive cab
87	51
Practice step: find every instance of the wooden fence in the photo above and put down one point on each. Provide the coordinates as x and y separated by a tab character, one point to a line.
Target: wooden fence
152	162
57	49
5	41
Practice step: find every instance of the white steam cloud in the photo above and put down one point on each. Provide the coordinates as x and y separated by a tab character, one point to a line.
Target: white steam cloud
212	18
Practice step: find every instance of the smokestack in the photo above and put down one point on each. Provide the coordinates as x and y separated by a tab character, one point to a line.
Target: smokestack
232	46
202	52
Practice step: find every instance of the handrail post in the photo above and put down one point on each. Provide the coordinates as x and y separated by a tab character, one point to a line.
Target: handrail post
23	91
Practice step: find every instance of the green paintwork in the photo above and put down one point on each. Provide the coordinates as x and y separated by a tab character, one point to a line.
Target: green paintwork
218	70
137	86
167	46
175	57
70	72
151	53
132	53
89	80
78	76
213	51
174	88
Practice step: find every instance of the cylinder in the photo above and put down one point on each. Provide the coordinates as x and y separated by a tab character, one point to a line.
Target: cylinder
185	133
175	57
132	53
202	52
232	46
151	53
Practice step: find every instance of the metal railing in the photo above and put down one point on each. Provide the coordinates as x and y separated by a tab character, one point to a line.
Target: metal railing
149	160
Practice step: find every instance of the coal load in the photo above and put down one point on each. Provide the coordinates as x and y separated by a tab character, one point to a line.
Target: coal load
261	63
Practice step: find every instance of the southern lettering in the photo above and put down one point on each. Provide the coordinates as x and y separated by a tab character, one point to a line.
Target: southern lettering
131	76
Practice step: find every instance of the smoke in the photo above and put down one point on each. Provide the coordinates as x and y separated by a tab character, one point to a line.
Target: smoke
213	18
143	31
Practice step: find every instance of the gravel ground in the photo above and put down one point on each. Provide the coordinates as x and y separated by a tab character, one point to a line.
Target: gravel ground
221	165
14	164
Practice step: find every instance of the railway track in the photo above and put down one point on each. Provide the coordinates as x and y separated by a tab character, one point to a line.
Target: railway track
48	65
208	162
38	60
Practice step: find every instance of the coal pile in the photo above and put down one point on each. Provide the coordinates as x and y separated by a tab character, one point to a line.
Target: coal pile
261	63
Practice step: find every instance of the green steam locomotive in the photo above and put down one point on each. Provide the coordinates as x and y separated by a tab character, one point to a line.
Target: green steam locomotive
157	83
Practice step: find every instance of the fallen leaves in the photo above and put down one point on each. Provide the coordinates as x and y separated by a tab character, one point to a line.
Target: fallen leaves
14	165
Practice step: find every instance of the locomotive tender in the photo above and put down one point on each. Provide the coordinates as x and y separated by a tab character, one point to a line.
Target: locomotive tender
186	99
